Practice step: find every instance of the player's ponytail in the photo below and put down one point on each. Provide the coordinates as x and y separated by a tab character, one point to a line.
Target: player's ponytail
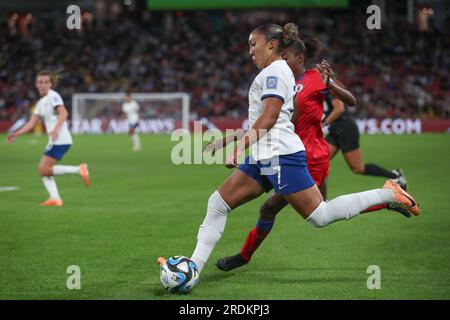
289	36
285	36
312	48
309	47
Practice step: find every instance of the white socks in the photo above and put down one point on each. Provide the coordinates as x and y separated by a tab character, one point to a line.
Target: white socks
348	206
343	207
136	142
58	170
50	185
210	230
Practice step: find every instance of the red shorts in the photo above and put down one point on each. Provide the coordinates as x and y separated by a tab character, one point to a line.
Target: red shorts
319	171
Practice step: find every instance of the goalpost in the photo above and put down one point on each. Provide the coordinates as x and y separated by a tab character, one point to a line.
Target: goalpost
102	112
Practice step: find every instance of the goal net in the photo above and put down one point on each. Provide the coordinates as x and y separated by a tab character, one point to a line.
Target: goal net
102	112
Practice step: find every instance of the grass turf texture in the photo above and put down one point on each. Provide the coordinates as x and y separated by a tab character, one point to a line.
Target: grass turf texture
140	206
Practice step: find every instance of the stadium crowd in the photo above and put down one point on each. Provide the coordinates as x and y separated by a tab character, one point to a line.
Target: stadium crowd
394	72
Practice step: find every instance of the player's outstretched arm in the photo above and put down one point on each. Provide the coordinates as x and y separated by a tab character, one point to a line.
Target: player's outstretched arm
342	94
262	125
27	127
335	87
222	143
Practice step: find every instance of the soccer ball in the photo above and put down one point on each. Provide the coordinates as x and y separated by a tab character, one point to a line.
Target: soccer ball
179	274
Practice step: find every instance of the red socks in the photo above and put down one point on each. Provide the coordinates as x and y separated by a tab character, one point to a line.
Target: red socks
376	208
255	237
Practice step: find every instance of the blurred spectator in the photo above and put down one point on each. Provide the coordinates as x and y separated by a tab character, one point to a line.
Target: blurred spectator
394	72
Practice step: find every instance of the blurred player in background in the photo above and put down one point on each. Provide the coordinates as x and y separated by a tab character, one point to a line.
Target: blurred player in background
343	134
50	108
131	109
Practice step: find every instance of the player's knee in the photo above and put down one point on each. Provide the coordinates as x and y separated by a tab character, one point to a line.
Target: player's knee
217	205
44	170
357	169
267	212
318	223
319	217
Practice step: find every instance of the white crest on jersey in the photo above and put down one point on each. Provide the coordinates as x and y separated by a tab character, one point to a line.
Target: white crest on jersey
298	88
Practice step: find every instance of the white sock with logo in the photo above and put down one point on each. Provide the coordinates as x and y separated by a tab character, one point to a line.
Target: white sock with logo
59	170
210	230
52	189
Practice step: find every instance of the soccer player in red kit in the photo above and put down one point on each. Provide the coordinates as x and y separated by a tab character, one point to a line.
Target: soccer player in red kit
310	96
311	86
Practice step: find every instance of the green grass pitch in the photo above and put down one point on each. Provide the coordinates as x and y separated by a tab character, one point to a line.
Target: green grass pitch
140	206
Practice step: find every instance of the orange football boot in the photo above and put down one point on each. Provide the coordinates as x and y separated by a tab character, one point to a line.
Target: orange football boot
402	198
161	261
84	173
52	203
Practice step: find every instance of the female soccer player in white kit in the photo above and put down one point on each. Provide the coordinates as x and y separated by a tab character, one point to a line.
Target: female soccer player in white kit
278	157
50	108
131	108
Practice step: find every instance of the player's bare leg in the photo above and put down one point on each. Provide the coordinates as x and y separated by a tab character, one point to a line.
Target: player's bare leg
355	162
238	189
305	201
45	166
333	150
323	189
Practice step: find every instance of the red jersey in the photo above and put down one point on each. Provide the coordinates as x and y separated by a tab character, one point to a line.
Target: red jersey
310	98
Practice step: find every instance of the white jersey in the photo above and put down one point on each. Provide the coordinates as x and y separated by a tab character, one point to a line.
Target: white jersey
45	109
276	80
131	109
